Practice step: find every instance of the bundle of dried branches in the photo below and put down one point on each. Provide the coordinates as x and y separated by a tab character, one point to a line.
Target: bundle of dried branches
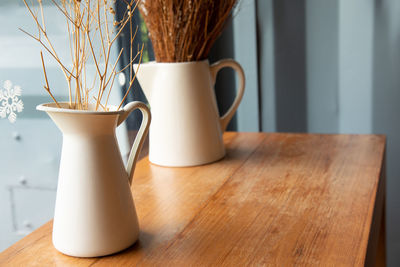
92	32
184	30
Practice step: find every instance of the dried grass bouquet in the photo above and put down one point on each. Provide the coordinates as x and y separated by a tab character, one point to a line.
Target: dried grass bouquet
92	31
184	30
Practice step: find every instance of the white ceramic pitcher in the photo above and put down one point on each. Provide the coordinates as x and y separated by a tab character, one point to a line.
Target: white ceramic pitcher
186	128
95	214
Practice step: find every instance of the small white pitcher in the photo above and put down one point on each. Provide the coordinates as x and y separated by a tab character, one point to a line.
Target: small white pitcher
95	214
186	129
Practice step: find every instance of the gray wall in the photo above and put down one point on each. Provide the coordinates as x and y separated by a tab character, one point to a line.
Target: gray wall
386	108
329	66
322	66
290	66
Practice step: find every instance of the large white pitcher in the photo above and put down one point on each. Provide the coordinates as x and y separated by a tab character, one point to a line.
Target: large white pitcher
95	214
186	128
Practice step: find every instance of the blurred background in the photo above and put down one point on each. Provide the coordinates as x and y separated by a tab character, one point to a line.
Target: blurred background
320	66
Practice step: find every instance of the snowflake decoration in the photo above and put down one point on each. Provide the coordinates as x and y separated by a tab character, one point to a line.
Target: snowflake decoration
10	102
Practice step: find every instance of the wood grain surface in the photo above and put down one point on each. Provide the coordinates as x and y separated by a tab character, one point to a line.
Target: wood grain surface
274	200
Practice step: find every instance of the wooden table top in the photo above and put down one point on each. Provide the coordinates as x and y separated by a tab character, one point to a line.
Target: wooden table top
276	199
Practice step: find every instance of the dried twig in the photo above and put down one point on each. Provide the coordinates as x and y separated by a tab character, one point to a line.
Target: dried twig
47	87
88	23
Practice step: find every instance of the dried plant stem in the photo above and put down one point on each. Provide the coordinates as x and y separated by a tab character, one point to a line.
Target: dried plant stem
104	108
109	92
130	64
47	87
133	79
110	77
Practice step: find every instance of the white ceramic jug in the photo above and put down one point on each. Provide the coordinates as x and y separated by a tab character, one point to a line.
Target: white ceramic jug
95	214
186	128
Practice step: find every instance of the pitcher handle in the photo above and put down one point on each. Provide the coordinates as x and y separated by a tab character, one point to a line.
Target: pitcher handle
215	68
139	140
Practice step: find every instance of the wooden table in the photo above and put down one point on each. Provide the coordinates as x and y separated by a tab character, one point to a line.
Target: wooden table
276	199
